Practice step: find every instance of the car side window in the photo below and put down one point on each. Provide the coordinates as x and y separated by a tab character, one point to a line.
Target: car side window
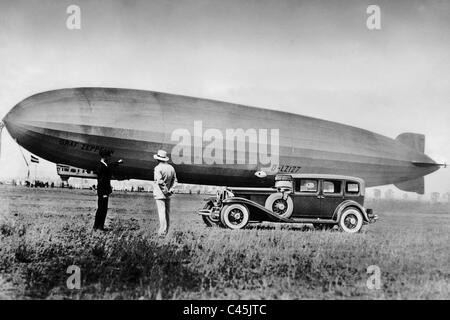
331	187
351	187
306	185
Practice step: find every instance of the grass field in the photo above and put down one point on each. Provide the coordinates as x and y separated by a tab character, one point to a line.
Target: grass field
44	231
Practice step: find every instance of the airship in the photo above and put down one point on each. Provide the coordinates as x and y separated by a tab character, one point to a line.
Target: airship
209	142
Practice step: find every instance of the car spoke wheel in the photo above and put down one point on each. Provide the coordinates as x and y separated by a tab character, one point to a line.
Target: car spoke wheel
280	206
351	220
234	216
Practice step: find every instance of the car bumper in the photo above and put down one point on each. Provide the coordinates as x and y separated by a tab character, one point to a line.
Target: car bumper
212	213
372	217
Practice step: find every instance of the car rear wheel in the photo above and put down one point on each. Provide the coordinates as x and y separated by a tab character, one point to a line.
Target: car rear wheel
351	220
234	216
277	204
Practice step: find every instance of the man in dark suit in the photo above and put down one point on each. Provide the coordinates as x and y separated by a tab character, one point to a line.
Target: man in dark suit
104	173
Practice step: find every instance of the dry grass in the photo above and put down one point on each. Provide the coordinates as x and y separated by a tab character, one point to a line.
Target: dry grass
42	232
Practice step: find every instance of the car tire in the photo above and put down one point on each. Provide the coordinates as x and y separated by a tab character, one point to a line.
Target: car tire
351	220
278	205
234	216
209	222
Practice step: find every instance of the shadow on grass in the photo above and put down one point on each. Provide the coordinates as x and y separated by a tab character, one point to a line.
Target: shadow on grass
275	226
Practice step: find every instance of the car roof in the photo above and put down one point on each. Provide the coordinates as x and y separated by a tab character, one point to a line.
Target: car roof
321	176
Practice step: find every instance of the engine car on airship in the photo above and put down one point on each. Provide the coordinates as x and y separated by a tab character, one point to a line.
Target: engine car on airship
323	200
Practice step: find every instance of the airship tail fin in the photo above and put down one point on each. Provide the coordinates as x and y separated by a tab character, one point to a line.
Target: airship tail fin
415	141
415	185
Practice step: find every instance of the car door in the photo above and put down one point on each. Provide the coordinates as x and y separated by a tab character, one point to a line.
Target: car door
332	195
306	198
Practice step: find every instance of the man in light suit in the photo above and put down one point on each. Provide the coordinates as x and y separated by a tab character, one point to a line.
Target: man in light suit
104	173
165	181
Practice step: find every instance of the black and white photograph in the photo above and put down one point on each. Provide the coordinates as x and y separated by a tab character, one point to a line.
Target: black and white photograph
210	150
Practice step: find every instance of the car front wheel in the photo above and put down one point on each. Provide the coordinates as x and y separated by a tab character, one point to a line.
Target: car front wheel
234	216
351	220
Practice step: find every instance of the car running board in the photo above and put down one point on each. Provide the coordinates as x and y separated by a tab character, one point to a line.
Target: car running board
307	220
272	216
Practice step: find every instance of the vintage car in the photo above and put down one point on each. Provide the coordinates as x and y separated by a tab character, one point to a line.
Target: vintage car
322	200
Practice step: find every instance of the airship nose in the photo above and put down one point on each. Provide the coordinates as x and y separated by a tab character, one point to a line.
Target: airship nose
9	120
9	117
12	121
29	116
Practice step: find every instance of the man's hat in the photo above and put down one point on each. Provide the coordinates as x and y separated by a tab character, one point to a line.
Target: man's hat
161	155
105	153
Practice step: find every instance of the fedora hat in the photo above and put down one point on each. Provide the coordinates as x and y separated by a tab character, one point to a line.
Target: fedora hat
161	155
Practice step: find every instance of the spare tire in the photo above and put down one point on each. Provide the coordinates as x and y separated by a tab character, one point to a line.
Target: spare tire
282	207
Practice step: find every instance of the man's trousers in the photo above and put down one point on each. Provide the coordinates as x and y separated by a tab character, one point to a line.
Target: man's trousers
102	210
163	206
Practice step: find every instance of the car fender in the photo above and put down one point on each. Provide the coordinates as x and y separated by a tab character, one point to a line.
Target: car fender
257	211
210	199
208	204
349	203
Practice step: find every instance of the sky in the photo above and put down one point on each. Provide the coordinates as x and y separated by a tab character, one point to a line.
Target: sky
315	58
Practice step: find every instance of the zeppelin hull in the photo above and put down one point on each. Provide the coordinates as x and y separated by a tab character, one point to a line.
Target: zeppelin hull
70	126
